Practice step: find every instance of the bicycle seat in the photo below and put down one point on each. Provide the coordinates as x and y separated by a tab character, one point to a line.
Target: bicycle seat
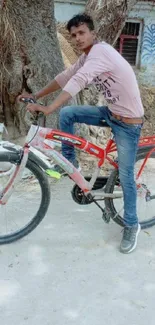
104	124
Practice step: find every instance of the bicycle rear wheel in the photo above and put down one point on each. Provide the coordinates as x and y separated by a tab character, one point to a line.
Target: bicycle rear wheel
29	201
145	193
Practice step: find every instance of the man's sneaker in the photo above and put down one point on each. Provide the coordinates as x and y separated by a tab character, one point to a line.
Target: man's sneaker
61	171
129	240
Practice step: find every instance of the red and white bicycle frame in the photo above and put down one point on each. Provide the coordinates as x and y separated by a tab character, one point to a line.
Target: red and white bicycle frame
43	140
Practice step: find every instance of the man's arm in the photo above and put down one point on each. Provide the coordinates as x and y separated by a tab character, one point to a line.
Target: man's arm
57	83
59	101
63	77
50	88
60	80
94	66
97	62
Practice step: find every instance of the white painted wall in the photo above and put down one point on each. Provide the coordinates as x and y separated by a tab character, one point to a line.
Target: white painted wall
65	9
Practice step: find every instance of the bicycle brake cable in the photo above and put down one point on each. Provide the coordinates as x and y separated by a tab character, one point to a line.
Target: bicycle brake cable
38	114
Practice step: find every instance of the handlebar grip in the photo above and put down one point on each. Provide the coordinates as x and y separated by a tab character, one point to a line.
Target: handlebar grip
28	100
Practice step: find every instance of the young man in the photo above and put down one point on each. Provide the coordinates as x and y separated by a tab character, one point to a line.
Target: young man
114	78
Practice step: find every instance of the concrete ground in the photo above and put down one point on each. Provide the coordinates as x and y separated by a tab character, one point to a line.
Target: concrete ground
69	271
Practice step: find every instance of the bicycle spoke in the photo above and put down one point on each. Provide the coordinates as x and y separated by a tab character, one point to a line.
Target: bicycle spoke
119	212
22	203
145	192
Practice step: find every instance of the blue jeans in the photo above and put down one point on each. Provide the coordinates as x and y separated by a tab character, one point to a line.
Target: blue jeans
126	137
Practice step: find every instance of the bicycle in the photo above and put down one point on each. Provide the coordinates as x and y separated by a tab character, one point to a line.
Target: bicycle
86	190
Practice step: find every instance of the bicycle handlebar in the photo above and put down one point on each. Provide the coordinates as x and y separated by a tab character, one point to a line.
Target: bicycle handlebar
36	114
27	100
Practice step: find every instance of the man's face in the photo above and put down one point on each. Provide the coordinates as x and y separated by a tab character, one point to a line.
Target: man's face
82	37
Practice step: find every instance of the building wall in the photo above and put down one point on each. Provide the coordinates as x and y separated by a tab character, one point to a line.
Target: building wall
145	11
65	9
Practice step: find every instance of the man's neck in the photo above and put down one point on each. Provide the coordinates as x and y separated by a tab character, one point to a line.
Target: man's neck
87	50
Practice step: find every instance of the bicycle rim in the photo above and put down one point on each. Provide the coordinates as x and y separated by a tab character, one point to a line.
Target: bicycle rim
27	204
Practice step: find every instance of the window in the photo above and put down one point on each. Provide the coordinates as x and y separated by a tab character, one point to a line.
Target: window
128	42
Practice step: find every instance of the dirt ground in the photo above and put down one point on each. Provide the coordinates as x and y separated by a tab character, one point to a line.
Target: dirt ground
69	270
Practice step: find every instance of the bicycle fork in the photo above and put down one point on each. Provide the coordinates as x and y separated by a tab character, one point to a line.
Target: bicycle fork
16	176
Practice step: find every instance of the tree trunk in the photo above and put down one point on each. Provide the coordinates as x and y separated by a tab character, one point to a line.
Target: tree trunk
30	56
110	16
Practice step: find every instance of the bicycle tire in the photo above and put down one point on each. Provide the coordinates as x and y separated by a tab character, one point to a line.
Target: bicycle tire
109	202
13	157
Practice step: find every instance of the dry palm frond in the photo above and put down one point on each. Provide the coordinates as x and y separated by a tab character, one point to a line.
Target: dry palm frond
61	28
67	49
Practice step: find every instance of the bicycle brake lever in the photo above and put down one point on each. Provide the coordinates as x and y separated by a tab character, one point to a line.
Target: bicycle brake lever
37	115
40	114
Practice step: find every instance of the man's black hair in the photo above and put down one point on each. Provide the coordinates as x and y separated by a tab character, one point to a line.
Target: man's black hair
80	19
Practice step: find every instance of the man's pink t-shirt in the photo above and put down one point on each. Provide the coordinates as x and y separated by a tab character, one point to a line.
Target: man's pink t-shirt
111	74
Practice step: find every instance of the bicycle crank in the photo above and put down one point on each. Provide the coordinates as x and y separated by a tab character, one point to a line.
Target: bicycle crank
79	196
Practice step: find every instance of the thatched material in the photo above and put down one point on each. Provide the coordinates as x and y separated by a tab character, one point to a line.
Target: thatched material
67	51
61	28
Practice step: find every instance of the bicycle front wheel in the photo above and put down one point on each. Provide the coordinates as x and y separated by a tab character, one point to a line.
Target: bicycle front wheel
29	201
145	192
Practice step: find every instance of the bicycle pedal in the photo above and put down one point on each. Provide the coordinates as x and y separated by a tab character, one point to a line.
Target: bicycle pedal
105	216
53	173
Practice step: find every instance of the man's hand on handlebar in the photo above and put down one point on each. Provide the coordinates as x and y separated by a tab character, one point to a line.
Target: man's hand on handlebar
58	102
32	105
